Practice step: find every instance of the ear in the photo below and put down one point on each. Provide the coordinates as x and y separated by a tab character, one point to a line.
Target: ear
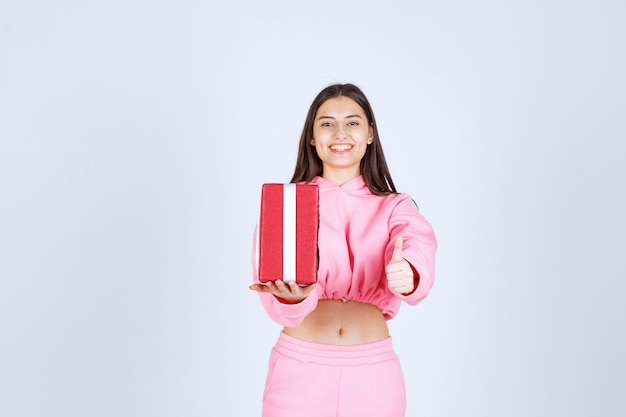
312	142
370	139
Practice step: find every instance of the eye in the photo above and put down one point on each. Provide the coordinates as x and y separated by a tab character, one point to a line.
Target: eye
353	123
326	124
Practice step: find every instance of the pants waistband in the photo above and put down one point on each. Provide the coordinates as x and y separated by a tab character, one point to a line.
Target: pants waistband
335	355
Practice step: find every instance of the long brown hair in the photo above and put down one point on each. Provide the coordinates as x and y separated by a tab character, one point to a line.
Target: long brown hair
373	165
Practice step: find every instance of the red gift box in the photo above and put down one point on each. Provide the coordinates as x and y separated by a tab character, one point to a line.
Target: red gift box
288	233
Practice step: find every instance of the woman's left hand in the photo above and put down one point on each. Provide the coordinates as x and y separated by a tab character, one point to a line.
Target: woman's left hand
400	278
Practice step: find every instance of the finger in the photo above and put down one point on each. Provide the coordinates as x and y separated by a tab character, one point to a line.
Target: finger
397	250
277	288
400	286
307	290
400	266
282	287
300	290
265	288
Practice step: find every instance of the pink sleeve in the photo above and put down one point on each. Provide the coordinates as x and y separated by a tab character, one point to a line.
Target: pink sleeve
419	245
288	315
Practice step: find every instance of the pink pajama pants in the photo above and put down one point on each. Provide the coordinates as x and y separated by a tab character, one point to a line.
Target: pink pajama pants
310	379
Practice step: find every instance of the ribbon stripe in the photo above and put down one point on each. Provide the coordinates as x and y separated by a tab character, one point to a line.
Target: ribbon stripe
289	232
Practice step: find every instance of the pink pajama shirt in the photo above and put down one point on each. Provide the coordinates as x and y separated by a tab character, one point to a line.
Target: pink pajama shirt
356	238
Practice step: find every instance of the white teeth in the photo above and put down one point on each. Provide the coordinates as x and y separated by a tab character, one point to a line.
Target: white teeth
341	147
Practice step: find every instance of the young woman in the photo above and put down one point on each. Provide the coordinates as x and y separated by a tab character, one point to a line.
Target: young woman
334	356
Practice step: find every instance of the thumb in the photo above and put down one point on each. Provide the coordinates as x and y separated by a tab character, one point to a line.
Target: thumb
397	250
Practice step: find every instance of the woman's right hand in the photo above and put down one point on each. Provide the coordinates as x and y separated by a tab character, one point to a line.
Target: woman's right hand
286	292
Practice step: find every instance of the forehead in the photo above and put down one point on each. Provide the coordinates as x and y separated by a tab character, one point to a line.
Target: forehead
341	106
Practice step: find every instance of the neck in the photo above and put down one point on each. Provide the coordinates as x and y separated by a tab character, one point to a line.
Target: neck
340	177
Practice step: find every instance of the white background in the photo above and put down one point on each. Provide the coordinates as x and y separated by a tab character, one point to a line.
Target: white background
135	136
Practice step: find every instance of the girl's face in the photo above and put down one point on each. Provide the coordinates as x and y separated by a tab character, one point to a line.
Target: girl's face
341	134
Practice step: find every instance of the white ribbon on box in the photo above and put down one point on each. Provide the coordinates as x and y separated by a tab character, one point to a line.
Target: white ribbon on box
289	232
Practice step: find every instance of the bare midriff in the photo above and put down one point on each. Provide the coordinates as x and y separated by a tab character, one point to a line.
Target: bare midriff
338	322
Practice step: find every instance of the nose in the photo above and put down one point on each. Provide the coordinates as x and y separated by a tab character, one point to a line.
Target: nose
340	133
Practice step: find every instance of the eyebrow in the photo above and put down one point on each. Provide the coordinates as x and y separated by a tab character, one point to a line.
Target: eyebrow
347	117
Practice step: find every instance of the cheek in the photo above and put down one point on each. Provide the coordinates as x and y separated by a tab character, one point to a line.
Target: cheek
320	138
319	147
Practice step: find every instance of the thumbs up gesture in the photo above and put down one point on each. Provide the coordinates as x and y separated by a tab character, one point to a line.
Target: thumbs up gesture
400	278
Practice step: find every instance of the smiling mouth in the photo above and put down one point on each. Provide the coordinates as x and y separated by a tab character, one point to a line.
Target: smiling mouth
341	147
